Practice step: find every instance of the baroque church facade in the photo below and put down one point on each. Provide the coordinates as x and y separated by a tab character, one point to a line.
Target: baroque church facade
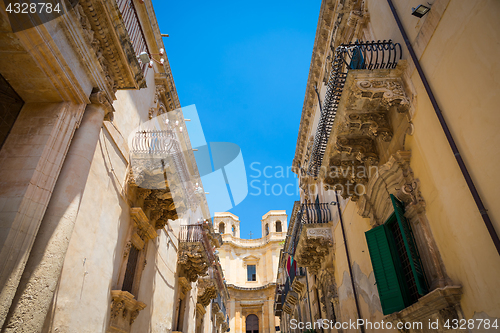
250	269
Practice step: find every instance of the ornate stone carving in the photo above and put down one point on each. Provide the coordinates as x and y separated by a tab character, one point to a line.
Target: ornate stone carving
127	249
390	91
314	245
193	259
323	233
184	286
363	149
118	59
124	310
207	290
143	229
374	124
345	176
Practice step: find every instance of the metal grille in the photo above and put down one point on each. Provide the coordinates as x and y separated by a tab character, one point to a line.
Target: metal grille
360	55
405	262
164	143
128	280
309	213
133	26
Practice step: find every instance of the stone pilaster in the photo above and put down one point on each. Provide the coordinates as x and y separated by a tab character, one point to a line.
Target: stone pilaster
39	281
30	162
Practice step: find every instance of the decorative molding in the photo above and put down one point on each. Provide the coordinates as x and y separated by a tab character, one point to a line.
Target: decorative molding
143	228
111	43
441	303
124	311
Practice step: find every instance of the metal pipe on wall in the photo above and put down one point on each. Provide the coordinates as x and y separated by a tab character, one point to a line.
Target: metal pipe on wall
449	136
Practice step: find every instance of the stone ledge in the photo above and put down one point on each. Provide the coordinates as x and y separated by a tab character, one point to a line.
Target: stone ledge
435	301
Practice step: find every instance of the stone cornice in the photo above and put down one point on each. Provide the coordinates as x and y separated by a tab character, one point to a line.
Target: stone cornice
266	286
338	20
317	63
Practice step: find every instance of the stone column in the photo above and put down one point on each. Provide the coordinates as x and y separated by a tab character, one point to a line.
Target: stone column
39	280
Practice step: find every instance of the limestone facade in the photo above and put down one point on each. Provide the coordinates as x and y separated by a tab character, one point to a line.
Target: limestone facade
87	244
250	267
375	168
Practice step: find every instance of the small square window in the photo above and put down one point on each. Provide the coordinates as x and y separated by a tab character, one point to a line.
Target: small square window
251	273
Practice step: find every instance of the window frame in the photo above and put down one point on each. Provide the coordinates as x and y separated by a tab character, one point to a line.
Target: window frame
393	288
254	275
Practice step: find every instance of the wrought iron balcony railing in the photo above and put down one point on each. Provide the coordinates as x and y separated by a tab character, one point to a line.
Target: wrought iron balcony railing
360	55
163	144
309	213
133	26
196	233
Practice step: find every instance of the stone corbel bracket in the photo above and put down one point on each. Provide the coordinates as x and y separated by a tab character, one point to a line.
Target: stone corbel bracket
102	99
184	287
207	290
124	310
143	230
315	242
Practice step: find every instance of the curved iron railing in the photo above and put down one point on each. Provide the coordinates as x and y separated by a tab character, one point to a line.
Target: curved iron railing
164	143
360	55
309	213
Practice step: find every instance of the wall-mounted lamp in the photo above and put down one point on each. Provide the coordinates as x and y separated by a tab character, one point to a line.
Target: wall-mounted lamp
333	203
420	11
147	58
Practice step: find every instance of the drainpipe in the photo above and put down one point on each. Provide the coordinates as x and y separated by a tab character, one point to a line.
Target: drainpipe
348	260
449	137
308	296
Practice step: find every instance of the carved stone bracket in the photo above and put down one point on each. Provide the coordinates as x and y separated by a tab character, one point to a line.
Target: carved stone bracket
143	230
389	92
207	290
345	176
292	298
193	259
315	243
124	311
184	286
298	285
373	124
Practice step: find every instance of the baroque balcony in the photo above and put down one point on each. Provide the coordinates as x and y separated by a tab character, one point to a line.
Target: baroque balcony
311	235
364	104
195	251
159	172
114	31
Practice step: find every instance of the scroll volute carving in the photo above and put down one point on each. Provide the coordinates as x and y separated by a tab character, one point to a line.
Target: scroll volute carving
124	311
143	230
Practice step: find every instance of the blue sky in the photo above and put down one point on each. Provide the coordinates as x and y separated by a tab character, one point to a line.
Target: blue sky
245	66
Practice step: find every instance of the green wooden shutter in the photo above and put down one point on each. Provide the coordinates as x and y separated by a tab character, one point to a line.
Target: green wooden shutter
389	285
411	247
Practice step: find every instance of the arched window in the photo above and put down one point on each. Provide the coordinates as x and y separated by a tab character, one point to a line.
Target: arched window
234	231
252	324
278	226
267	229
221	228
